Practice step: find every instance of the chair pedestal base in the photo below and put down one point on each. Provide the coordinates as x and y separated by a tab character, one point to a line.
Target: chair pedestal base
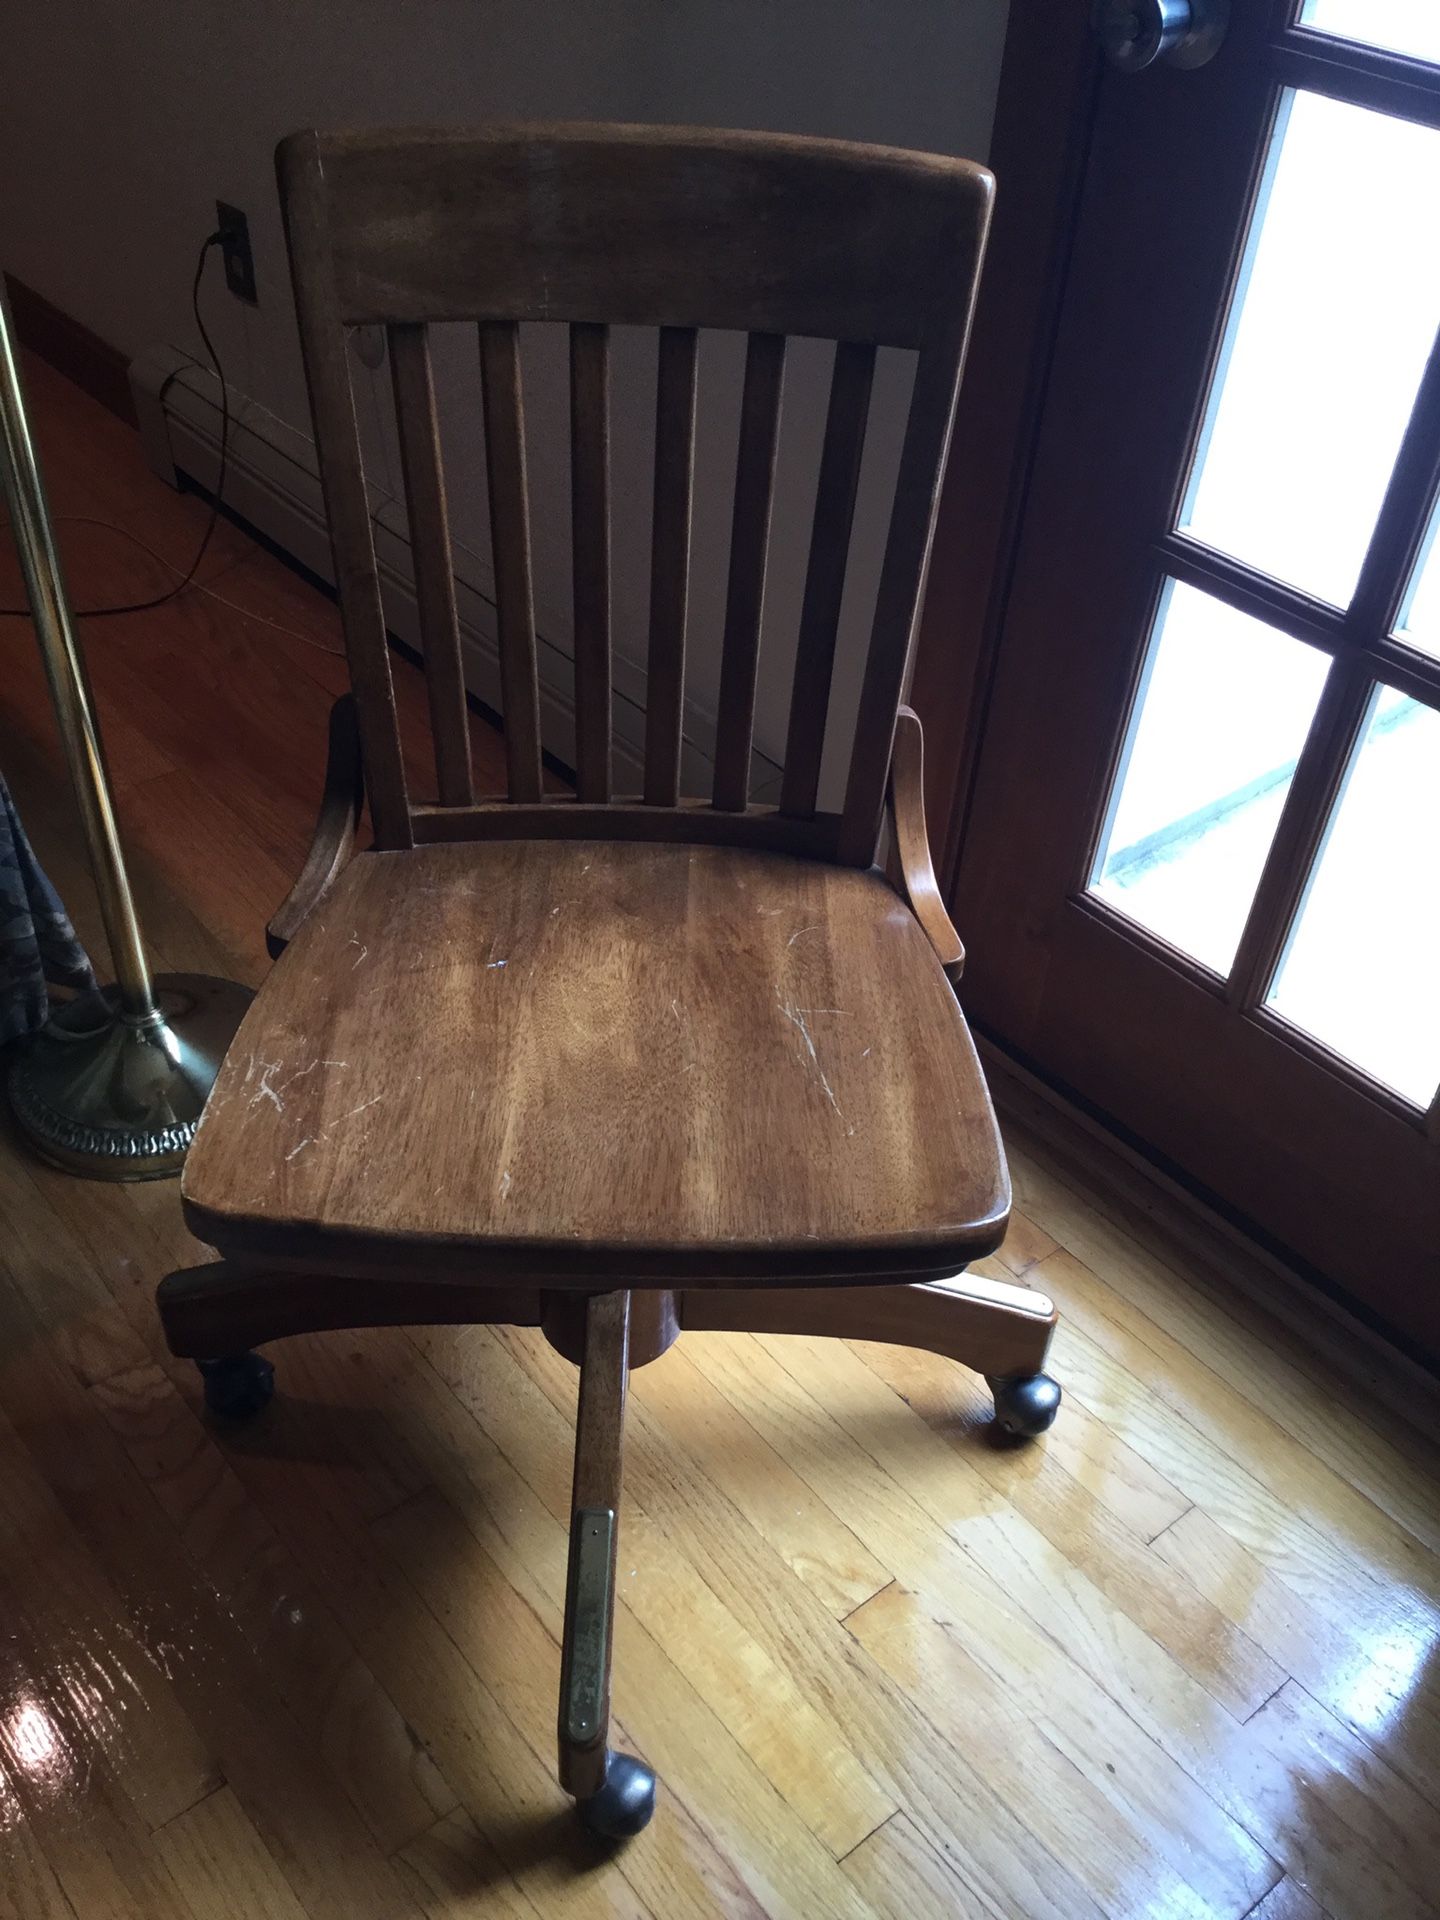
992	1326
214	1314
614	1792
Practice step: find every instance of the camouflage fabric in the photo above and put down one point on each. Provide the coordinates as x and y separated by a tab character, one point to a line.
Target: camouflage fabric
37	941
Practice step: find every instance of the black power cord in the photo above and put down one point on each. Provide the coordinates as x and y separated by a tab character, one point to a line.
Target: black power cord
187	579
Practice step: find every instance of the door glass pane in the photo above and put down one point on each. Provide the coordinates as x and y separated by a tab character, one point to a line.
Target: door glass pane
1360	972
1403	26
1337	306
1420	614
1221	715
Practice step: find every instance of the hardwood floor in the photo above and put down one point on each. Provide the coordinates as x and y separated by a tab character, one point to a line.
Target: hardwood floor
1177	1659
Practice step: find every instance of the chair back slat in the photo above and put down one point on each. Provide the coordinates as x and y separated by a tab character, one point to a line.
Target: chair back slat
597	227
418	427
342	479
902	584
510	543
749	551
840	458
590	543
670	563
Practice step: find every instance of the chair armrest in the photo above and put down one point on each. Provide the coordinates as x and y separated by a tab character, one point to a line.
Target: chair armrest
333	840
912	845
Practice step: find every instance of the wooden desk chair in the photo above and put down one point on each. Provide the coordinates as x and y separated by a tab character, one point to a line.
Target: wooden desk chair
613	1066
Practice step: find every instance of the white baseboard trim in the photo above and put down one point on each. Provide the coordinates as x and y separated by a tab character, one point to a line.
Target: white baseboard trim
272	480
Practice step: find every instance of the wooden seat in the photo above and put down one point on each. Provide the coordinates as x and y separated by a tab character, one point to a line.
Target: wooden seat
617	1063
575	1055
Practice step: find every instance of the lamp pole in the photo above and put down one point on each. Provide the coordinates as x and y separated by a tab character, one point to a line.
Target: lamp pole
114	1084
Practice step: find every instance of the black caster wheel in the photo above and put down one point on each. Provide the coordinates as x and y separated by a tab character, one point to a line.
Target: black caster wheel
624	1804
237	1387
1026	1405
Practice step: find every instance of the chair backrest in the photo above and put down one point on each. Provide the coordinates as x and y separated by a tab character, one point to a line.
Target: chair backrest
677	229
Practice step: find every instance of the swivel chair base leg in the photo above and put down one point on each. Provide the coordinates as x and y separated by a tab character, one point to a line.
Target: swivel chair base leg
614	1792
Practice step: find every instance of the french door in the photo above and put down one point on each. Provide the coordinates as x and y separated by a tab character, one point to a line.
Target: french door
1201	874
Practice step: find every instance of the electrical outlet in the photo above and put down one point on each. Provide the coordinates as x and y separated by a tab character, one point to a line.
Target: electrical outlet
235	251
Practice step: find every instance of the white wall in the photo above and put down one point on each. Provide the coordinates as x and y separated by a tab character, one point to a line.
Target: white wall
122	124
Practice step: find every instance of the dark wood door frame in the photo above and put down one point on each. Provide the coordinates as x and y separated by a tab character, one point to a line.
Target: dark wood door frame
1050	975
1043	116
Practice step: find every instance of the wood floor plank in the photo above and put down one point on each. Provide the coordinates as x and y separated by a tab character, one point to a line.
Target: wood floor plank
530	1549
785	1869
1312	1556
955	1799
89	1670
1352	1829
1089	1452
1152	1222
527	1540
813	1541
295	1636
258	1747
1372	1450
1383	1685
1158	1696
455	1874
1288	1901
48	1269
124	1245
904	1878
175	938
1142	1881
100	1862
1246	1428
1079	1713
329	1413
1091	1465
196	841
85	1770
691	1874
28	1887
29	715
1143	1585
221	1865
1025	1245
507	1788
975	1810
800	1750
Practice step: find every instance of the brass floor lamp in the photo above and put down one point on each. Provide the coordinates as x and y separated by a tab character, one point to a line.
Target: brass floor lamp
113	1085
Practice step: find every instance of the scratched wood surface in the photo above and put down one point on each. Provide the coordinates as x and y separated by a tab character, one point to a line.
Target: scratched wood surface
599	1057
1179	1659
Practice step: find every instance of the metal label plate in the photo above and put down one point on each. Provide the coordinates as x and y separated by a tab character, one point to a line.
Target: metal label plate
592	1557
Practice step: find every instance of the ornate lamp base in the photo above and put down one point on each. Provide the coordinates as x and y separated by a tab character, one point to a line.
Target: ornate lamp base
117	1098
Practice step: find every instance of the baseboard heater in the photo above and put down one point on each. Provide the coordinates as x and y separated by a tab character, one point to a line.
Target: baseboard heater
272	481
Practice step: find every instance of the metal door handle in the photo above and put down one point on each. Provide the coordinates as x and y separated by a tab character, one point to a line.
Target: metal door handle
1184	33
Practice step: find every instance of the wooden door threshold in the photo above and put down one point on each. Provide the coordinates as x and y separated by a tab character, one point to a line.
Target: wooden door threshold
1212	1252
